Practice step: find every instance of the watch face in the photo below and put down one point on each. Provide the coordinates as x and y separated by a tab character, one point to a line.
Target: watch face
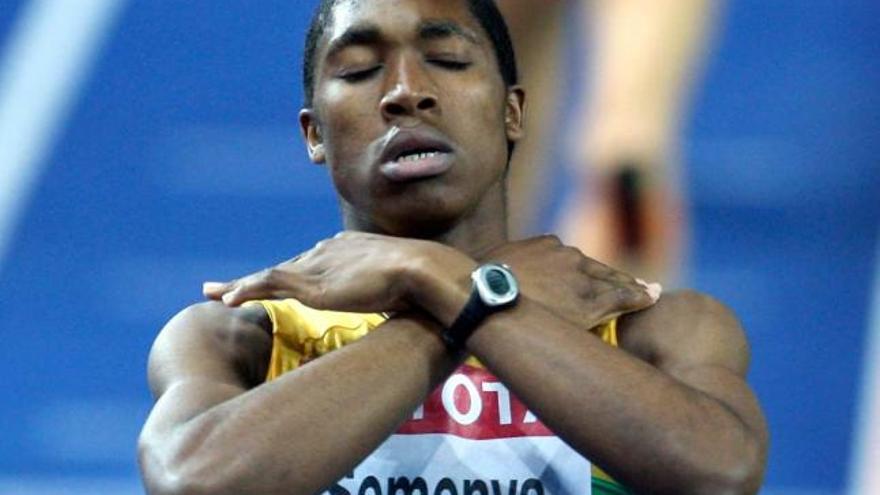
497	281
495	284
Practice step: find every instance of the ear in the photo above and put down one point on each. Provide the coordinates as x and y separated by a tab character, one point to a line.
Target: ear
311	132
514	113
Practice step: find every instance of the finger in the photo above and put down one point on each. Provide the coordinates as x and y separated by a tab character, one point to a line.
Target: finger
298	257
215	290
595	268
654	290
624	298
271	283
240	296
600	271
549	239
619	277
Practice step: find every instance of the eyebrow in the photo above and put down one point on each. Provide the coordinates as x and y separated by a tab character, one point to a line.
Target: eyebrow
370	34
367	34
433	30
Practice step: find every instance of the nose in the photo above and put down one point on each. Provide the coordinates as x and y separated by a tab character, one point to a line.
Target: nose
411	92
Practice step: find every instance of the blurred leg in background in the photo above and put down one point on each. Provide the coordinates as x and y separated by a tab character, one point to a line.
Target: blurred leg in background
627	208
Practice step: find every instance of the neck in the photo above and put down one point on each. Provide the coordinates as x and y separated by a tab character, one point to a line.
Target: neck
475	233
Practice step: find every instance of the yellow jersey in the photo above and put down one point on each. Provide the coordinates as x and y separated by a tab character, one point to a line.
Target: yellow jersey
471	436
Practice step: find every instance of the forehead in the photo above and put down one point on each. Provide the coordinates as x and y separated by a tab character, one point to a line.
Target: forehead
398	16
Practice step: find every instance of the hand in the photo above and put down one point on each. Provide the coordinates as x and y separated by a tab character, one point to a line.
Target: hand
353	271
571	285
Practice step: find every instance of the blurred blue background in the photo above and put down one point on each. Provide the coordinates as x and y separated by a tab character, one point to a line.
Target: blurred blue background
174	157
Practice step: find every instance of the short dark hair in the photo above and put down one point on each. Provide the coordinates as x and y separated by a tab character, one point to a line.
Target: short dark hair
485	11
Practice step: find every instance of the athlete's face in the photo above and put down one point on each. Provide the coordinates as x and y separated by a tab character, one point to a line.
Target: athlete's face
410	112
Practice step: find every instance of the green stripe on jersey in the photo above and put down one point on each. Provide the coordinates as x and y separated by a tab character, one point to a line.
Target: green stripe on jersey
605	487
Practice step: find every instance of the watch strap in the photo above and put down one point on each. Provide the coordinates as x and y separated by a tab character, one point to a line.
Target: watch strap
468	320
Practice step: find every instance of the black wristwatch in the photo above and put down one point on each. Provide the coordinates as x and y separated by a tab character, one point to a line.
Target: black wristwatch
494	288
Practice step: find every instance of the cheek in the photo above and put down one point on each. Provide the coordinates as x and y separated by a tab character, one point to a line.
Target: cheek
484	99
345	155
482	125
344	127
348	129
348	115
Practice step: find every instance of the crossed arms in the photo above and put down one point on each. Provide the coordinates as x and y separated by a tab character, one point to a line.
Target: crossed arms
669	412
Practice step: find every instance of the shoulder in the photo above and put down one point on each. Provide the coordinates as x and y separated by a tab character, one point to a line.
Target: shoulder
686	328
231	330
210	338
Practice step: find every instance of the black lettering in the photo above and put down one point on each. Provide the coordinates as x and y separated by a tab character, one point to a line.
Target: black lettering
336	489
496	487
475	486
532	485
406	486
446	485
370	483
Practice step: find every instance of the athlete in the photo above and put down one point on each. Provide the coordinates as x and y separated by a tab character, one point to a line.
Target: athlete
421	351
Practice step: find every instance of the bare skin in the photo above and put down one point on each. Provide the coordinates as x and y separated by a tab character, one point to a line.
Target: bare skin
669	412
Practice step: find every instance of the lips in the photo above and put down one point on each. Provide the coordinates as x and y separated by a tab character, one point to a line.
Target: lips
415	154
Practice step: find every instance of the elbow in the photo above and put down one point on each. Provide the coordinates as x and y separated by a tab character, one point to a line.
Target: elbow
166	472
182	468
740	476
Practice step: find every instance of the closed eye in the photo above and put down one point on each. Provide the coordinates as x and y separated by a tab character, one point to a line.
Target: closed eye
450	64
359	75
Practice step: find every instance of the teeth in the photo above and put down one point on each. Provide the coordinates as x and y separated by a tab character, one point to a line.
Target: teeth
418	156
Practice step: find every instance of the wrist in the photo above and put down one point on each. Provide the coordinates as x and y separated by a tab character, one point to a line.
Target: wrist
438	286
495	288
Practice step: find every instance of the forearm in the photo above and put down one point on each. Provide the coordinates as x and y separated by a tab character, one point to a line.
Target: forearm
644	427
305	430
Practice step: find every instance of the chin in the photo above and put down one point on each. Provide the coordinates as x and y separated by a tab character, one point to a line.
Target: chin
418	217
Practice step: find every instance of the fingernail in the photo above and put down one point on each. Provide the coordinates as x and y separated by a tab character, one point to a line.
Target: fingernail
228	297
654	290
212	286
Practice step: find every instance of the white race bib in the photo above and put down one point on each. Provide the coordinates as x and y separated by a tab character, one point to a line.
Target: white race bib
470	437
